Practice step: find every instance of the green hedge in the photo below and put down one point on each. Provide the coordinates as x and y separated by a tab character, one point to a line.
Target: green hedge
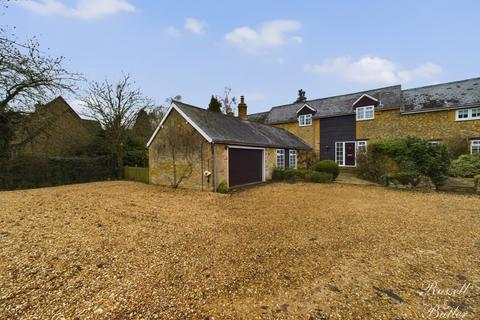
467	165
407	155
33	172
284	174
318	177
327	166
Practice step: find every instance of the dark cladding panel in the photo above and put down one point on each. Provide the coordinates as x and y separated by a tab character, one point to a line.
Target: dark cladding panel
335	129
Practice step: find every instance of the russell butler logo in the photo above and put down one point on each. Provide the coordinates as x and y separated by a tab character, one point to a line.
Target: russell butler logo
449	310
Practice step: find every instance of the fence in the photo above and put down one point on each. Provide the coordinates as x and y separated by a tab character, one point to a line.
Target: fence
135	174
33	172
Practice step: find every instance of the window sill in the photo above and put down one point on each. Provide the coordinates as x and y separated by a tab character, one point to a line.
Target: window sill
469	119
365	119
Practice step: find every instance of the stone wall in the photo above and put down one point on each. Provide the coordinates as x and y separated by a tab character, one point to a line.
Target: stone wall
161	161
309	134
53	129
439	125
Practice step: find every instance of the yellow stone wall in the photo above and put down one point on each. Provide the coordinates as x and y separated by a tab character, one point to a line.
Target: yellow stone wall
309	134
161	162
439	125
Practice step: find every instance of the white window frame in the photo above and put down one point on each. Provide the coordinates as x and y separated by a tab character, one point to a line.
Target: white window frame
468	114
281	158
305	120
433	142
475	144
362	143
292	159
340	153
361	113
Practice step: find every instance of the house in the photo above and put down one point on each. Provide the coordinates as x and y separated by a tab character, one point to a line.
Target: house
53	129
338	127
200	149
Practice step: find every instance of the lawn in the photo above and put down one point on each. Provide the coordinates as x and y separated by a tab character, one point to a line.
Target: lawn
118	250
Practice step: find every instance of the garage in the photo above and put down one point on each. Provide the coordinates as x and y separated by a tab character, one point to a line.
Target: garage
245	166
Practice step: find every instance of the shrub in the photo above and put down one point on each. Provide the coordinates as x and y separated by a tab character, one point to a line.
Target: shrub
318	177
410	154
477	182
289	174
467	165
301	172
406	178
327	166
368	166
222	187
278	174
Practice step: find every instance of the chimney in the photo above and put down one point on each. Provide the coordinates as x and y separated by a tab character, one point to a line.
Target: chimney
242	109
229	112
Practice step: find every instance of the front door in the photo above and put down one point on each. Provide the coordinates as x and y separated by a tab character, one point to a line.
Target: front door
349	153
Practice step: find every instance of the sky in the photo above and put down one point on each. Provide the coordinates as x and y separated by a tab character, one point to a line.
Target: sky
265	50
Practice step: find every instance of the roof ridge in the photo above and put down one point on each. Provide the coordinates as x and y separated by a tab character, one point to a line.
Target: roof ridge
336	96
217	113
442	84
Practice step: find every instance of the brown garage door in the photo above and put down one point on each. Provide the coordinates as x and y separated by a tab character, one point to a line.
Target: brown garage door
244	166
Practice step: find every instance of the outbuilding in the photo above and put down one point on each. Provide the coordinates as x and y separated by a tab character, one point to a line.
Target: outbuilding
200	149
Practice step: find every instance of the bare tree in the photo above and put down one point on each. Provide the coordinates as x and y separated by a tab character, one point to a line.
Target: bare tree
115	107
227	102
28	76
182	145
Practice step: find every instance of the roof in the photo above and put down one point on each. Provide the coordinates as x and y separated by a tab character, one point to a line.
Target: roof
219	128
258	117
389	98
451	95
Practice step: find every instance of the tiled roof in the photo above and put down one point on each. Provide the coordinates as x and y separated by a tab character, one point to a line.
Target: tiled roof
231	130
450	95
389	98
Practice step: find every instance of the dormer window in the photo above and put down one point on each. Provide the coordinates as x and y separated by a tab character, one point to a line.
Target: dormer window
305	120
365	113
305	115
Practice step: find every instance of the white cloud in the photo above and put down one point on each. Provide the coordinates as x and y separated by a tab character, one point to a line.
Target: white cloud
272	34
173	32
195	26
374	70
83	9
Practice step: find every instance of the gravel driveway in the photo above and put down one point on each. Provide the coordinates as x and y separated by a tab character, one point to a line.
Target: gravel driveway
117	250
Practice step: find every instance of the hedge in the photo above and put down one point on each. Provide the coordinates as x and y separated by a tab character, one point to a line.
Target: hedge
33	172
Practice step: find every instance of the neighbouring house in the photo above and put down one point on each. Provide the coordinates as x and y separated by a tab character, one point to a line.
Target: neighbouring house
200	149
53	129
340	126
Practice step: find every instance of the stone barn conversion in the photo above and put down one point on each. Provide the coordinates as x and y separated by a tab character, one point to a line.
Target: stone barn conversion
200	149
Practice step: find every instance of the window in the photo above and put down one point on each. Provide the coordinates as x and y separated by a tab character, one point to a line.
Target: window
475	146
292	159
281	158
362	146
468	114
433	142
339	153
365	113
305	120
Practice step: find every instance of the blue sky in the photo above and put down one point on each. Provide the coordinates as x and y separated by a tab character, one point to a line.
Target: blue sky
265	50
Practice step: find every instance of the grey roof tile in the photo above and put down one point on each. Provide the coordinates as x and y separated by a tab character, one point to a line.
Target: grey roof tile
232	130
450	95
389	97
